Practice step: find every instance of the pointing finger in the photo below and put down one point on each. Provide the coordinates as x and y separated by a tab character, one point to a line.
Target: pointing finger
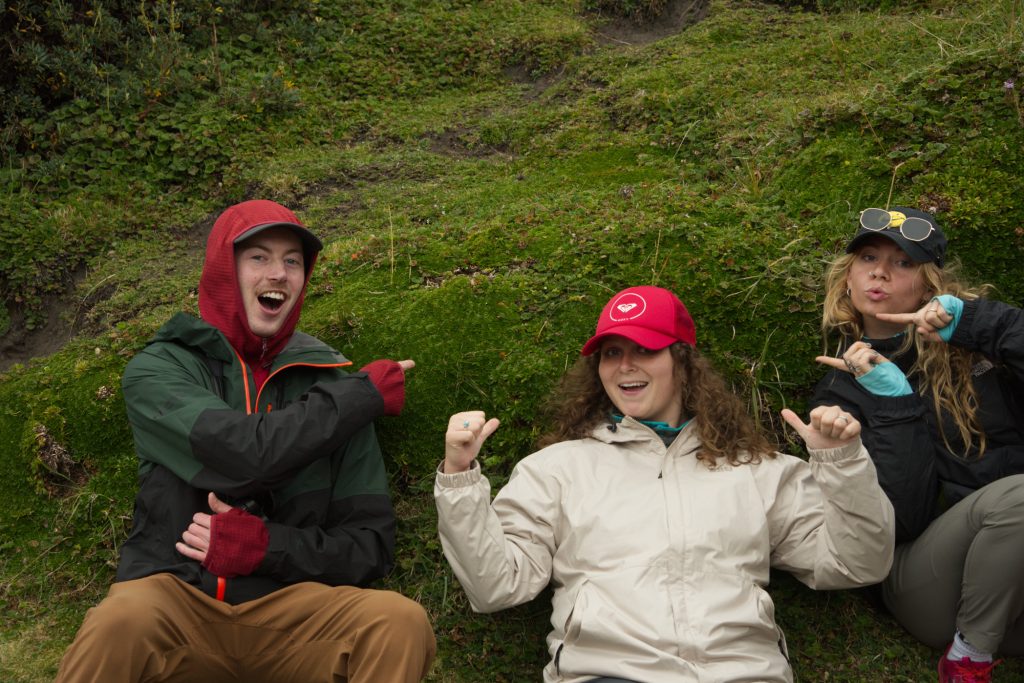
902	318
836	363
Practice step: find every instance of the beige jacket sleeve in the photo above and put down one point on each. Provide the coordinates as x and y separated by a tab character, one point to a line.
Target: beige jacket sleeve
501	553
831	524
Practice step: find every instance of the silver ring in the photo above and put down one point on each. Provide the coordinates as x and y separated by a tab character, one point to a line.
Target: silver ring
843	418
465	424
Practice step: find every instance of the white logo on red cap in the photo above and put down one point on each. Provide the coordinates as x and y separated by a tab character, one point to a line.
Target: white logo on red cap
628	307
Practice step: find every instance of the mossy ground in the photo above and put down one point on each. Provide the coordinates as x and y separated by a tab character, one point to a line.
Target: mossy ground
485	175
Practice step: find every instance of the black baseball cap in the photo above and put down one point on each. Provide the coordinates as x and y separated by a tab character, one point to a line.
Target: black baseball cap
931	249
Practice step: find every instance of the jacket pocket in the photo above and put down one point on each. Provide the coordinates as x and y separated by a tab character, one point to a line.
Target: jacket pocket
620	619
571	627
766	608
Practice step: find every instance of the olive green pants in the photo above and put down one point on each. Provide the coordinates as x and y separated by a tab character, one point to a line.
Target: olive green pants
966	573
160	629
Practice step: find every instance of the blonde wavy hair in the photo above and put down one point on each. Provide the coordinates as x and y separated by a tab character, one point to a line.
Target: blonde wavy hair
943	371
580	403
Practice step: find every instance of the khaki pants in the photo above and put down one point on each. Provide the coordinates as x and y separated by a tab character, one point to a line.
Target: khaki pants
160	629
966	572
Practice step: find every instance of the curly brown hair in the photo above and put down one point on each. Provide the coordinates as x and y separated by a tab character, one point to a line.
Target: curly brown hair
726	429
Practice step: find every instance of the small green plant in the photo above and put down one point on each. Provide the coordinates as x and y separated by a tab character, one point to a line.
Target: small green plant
638	10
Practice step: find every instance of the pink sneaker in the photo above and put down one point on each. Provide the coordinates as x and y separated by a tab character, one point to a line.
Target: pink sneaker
965	671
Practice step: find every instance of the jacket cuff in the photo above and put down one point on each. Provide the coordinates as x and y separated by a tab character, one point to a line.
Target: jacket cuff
963	335
458	480
389	379
847	451
238	543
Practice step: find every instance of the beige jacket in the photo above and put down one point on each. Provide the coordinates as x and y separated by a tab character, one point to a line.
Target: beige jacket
658	563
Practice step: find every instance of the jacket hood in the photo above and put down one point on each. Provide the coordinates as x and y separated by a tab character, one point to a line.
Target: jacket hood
220	300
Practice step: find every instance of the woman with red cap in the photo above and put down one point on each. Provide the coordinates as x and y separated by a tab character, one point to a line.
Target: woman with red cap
656	509
935	372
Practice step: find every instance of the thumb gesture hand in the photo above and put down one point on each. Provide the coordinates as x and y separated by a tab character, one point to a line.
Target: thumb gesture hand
829	427
466	433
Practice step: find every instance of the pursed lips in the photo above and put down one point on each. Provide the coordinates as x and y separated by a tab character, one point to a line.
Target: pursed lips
876	294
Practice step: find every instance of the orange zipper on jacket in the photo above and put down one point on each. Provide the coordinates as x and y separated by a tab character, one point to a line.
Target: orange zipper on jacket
250	407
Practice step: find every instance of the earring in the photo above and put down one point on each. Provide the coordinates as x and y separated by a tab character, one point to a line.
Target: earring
848	292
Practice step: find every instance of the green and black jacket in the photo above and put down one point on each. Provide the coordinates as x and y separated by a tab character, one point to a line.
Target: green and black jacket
301	452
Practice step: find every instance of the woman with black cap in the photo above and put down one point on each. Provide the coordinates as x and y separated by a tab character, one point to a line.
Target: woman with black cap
657	508
935	373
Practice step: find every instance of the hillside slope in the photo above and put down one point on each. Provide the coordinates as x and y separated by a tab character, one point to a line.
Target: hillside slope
484	175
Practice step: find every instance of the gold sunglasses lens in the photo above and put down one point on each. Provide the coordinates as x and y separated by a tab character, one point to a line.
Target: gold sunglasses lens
875	219
916	229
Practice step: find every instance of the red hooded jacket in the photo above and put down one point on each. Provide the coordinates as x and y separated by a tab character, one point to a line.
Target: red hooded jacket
220	300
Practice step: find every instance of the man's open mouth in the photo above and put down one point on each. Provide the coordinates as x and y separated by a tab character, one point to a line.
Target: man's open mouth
271	300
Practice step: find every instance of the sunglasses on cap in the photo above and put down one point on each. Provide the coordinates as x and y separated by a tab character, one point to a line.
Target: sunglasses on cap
913	228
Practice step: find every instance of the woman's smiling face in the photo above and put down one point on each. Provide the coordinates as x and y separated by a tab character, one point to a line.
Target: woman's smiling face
883	279
640	382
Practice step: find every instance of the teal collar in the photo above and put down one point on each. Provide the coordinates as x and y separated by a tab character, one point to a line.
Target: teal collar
659	427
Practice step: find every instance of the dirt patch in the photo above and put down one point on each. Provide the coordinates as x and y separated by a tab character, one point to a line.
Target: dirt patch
20	344
64	315
459	143
538	84
677	16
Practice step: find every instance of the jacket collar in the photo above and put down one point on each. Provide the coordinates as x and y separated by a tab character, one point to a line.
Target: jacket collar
190	331
633	431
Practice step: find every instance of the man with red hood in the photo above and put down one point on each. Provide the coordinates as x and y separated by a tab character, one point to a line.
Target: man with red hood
263	507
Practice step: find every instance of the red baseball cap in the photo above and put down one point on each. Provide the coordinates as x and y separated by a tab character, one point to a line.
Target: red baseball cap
650	316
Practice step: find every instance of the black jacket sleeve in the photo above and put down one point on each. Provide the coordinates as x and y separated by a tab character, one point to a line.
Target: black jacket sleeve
357	542
180	422
242	454
995	330
896	434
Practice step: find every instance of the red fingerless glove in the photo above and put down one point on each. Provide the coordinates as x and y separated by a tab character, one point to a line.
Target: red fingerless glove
238	543
389	379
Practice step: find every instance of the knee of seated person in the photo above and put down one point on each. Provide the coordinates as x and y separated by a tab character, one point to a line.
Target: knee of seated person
405	617
1009	493
118	615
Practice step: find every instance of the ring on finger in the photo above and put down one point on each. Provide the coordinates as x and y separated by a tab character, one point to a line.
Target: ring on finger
843	418
465	424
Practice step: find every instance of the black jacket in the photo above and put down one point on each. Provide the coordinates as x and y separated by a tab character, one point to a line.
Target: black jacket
301	452
921	476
